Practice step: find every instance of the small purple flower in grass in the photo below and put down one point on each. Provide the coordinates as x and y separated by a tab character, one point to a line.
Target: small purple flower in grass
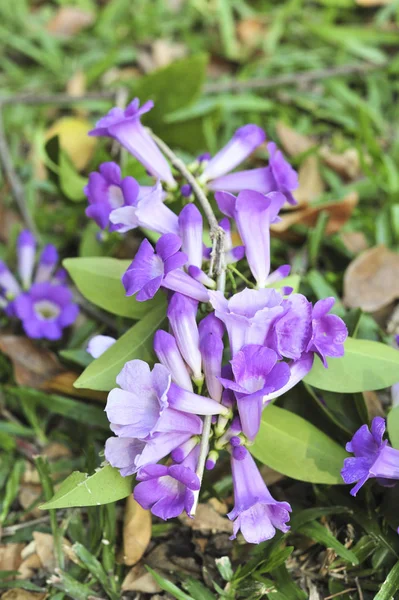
244	141
45	310
374	458
256	373
211	346
150	270
256	513
253	213
190	230
124	126
329	332
298	370
168	354
47	263
182	313
26	249
9	286
292	331
148	210
99	344
248	315
168	490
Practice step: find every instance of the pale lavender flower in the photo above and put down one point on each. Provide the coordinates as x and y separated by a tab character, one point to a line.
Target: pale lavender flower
150	270
248	315
47	263
256	513
148	210
244	141
298	370
8	283
256	373
374	458
278	176
201	276
182	313
211	346
329	332
253	213
168	354
292	331
125	127
168	490
99	344
190	231
26	249
45	310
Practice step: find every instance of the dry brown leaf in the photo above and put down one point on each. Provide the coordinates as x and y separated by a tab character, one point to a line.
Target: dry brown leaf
294	143
63	382
10	556
44	546
339	213
346	164
28	567
72	134
76	86
251	32
354	241
208	520
373	404
69	20
371	282
19	594
139	580
28	494
161	53
311	184
136	531
33	365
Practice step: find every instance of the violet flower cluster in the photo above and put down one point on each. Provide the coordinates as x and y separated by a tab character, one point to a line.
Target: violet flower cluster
224	356
37	294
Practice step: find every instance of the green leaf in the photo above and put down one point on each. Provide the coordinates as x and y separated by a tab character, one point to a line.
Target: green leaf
99	280
393	426
322	535
135	343
365	366
168	586
79	489
390	585
71	183
290	281
292	446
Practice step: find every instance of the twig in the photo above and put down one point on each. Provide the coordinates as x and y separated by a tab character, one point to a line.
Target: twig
340	593
298	79
10	174
37	99
12	529
217	265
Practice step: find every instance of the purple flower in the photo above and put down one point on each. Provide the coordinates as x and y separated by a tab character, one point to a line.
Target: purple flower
26	249
150	270
256	373
99	344
182	313
107	191
292	331
45	310
47	263
168	354
256	513
278	176
253	213
190	231
167	491
148	210
8	284
329	332
211	346
244	141
373	457
298	370
125	127
248	315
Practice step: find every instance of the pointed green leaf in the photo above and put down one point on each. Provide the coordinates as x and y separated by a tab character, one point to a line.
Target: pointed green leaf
365	366
135	343
99	280
390	585
104	486
393	426
289	444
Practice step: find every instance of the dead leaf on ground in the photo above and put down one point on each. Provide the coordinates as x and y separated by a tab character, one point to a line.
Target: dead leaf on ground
161	53
69	20
339	213
136	531
293	143
346	164
208	520
28	566
62	383
354	241
33	366
72	134
10	556
371	281
139	579
20	594
311	184
44	547
251	32
373	404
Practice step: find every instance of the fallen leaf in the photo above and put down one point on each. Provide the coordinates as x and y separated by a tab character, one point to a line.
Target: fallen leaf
159	54
76	85
311	184
294	143
251	32
139	580
339	213
20	594
354	241
69	20
208	520
373	404
72	134
136	531
63	384
44	546
33	365
10	556
346	164
371	281
28	566
28	494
